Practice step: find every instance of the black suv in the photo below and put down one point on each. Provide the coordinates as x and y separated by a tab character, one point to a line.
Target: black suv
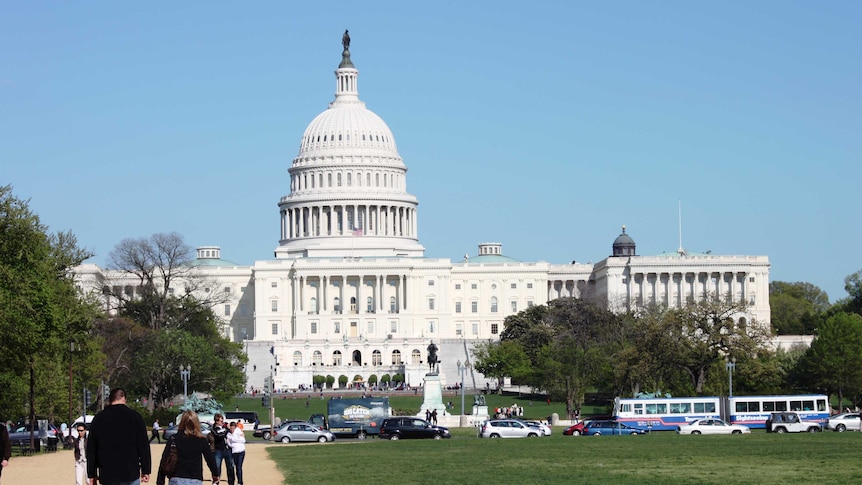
411	428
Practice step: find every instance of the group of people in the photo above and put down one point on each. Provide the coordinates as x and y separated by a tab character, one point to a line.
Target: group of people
431	416
513	411
115	449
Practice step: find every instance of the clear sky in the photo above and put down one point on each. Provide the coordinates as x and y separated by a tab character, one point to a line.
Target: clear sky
542	125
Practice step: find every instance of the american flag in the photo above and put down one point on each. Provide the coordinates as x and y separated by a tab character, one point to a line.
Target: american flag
357	231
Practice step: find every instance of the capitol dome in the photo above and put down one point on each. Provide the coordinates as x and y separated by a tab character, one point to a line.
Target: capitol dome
347	181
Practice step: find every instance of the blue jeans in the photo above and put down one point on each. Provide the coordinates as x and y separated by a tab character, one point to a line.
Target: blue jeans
238	458
228	459
185	481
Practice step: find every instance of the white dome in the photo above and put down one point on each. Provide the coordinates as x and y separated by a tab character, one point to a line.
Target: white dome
347	128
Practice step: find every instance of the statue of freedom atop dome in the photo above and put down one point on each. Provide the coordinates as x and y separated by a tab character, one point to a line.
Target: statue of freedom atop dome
345	40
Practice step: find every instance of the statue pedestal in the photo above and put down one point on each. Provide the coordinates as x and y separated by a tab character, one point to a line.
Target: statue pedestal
480	411
432	395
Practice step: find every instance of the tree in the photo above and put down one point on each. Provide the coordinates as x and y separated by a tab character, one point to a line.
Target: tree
797	307
159	263
40	307
833	363
853	302
502	359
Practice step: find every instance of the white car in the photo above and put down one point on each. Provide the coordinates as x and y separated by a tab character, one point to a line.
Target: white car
546	430
844	422
508	428
712	426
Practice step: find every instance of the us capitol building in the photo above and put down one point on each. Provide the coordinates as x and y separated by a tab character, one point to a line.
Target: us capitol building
350	291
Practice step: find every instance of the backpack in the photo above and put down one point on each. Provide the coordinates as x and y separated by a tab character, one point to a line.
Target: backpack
168	466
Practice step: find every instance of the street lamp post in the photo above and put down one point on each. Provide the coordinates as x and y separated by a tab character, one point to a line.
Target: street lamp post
185	375
461	369
71	350
730	365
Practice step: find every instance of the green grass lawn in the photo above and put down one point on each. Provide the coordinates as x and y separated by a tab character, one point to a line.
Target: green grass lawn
665	458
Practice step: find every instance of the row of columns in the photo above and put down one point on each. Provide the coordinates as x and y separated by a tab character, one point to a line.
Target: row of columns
565	289
321	291
348	220
676	288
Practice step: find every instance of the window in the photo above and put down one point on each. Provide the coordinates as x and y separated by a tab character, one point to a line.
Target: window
336	304
495	328
431	326
474	306
393	326
297	358
369	304
430	282
338	179
473	286
396	357
493	304
275	329
475	328
680	408
704	407
313	306
529	286
431	303
415	357
370	327
317	358
748	406
514	306
457	286
458	329
337	328
274	284
336	357
457	307
514	286
314	327
529	303
227	289
376	358
227	310
392	307
274	304
656	408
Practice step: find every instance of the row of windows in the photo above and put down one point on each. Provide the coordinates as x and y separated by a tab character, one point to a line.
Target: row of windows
354	327
307	181
474	328
337	358
675	408
474	286
393	305
345	137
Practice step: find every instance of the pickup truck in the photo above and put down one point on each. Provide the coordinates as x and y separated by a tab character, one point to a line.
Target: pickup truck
789	422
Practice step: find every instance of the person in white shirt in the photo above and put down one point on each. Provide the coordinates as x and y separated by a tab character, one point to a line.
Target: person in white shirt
81	455
155	433
236	440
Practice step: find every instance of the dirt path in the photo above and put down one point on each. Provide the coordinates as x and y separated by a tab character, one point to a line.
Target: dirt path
59	468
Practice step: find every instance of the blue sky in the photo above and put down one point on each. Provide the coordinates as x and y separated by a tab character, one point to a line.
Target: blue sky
542	125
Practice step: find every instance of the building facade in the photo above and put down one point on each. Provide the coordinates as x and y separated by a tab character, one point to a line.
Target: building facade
350	293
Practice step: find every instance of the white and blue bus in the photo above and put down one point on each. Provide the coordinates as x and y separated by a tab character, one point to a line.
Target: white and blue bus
664	413
752	411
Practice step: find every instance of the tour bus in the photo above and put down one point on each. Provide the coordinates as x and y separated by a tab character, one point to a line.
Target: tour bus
664	413
752	411
244	417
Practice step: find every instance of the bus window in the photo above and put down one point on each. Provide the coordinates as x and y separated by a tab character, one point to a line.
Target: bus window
821	405
626	408
768	406
680	408
639	408
747	407
656	408
704	407
781	405
796	405
808	405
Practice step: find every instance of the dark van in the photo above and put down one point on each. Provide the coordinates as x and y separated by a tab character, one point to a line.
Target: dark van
245	417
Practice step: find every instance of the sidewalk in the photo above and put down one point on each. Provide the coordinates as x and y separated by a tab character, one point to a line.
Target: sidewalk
59	467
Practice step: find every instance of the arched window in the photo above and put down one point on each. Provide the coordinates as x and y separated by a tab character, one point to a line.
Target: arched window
297	358
336	304
493	304
336	357
392	307
349	179
369	304
352	304
396	357
317	358
338	179
415	357
376	358
313	305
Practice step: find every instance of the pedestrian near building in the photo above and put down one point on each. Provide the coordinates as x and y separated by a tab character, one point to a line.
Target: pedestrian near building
117	449
218	439
191	446
155	433
80	446
236	439
5	448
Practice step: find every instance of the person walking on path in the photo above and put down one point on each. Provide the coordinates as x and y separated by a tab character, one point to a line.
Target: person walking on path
191	446
80	445
236	438
218	438
5	447
117	449
155	433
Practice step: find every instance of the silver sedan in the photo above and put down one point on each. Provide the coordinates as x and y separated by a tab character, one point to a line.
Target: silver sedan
302	432
844	422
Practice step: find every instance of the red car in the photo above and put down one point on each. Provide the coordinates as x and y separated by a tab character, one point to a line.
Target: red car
575	429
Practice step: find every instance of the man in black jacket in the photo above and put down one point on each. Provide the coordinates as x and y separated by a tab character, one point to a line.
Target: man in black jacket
118	452
5	447
80	444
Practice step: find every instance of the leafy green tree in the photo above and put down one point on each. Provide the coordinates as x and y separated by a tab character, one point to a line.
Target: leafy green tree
796	308
853	302
502	359
372	379
342	380
833	363
40	309
330	381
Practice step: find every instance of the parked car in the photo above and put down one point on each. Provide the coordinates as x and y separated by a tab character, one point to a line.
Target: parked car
21	433
508	428
576	429
546	430
406	427
789	422
301	431
604	427
265	431
844	422
712	426
172	430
